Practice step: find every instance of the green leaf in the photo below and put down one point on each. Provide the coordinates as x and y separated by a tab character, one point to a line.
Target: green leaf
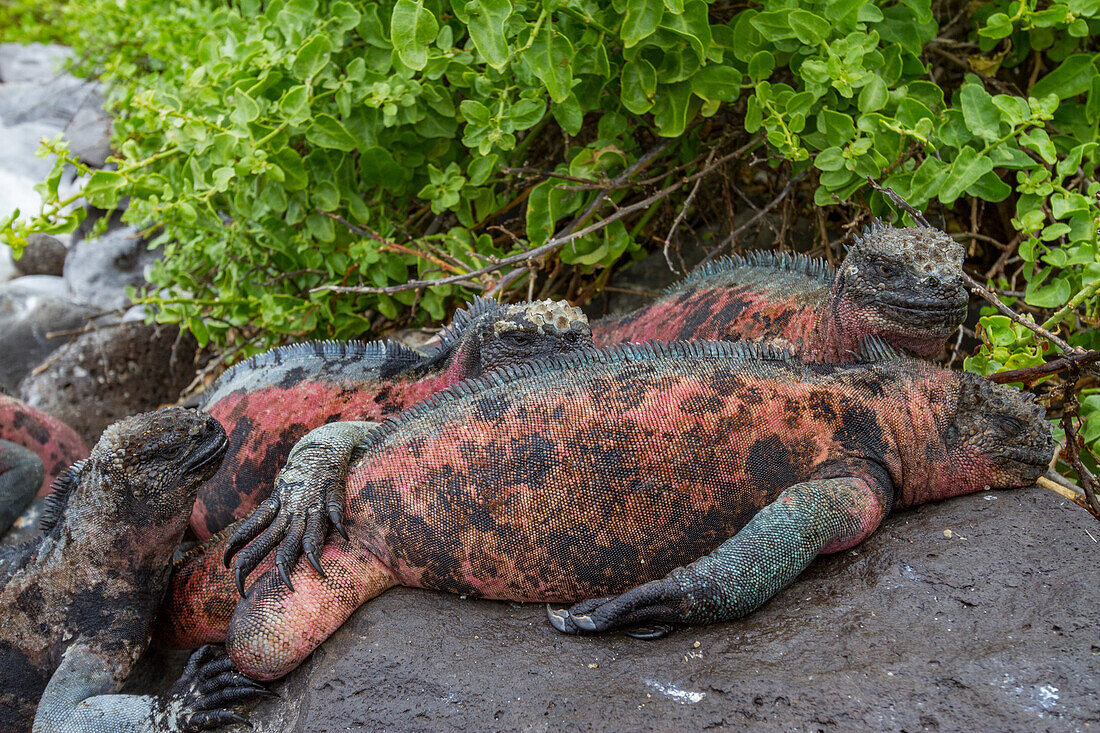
295	104
1038	140
412	28
312	57
639	86
670	111
714	82
104	189
568	114
378	167
965	171
244	108
486	26
808	27
328	132
981	115
873	96
550	57
1052	295
640	20
1072	77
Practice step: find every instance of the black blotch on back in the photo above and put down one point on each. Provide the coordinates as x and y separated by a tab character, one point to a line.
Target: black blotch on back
770	464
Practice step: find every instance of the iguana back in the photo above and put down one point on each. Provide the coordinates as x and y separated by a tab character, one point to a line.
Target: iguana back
269	402
902	285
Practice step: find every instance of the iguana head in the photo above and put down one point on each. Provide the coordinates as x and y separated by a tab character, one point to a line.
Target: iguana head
904	285
489	336
998	437
145	471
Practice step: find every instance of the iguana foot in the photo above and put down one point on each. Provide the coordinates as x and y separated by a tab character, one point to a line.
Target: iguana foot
658	605
197	700
308	495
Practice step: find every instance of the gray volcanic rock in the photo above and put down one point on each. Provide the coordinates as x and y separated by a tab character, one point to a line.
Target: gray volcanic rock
30	308
99	270
31	62
110	373
992	628
43	255
89	131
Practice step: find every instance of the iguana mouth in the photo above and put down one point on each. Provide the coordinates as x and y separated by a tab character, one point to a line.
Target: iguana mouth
209	452
923	313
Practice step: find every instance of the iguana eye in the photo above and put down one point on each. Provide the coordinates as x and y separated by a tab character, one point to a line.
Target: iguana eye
885	269
174	452
520	338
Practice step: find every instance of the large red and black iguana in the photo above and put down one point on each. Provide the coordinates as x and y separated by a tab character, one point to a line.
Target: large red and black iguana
674	483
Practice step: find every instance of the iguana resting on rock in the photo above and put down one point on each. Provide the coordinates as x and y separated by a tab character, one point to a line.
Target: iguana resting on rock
694	479
903	285
77	604
34	450
269	402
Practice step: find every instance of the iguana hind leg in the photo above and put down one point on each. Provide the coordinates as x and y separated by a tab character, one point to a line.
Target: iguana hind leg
275	628
816	516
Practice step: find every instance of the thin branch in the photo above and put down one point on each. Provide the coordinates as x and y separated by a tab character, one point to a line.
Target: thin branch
1030	375
683	213
1066	493
558	241
771	205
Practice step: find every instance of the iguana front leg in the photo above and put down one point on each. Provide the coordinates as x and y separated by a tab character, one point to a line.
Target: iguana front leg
824	515
74	700
310	485
21	476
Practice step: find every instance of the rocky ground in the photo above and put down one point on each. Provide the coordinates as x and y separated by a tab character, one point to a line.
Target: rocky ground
977	613
994	627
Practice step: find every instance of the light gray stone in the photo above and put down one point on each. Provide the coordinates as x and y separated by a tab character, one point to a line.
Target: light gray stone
98	270
43	255
31	62
30	309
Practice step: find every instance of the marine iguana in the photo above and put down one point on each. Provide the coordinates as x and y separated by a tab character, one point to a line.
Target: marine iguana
270	401
77	604
903	285
53	446
680	483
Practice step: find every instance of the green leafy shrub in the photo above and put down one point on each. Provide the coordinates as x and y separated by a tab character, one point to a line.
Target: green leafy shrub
279	147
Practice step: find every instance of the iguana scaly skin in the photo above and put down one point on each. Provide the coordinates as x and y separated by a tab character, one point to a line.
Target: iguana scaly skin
695	479
78	603
53	446
903	285
269	402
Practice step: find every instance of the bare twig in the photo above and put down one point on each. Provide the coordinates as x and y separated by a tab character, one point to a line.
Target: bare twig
756	217
1066	493
1073	457
1030	375
556	242
683	212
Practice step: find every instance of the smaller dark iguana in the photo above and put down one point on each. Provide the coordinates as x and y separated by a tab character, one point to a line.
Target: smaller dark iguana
681	483
270	401
903	285
78	603
35	449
